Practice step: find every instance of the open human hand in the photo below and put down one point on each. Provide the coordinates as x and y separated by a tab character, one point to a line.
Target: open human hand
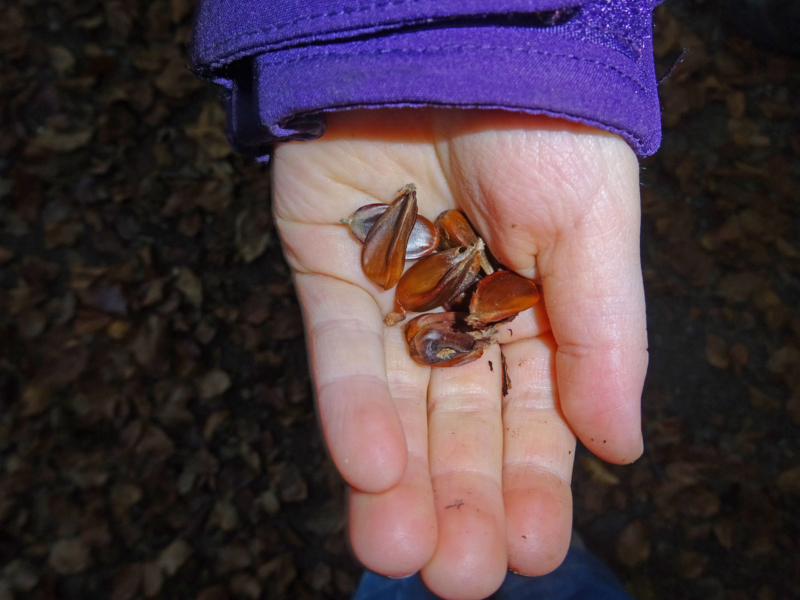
448	477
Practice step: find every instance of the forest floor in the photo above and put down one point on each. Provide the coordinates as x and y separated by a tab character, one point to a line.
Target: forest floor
157	433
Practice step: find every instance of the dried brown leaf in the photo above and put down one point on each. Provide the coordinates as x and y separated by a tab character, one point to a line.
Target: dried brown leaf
51	140
789	481
598	471
738	287
212	384
691	564
215	592
725	530
633	545
174	556
244	584
69	556
717	352
761	401
127	582
233	557
152	579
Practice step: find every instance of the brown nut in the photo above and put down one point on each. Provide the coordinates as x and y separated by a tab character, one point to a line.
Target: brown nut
424	236
383	255
499	297
455	230
438	278
441	340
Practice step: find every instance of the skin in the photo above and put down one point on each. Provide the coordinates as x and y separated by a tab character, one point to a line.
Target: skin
448	477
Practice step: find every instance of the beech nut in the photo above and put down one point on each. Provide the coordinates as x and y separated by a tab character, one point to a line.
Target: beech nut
424	237
443	340
450	258
438	278
383	255
500	297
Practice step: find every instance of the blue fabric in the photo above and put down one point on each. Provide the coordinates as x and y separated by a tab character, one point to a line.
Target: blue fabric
582	576
285	63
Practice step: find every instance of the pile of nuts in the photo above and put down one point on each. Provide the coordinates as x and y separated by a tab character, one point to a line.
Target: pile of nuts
452	270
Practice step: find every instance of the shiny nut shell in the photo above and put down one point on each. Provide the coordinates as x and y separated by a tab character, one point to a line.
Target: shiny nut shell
438	278
424	237
501	296
440	340
383	255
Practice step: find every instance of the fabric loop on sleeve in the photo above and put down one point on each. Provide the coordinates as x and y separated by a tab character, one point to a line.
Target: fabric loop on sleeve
589	62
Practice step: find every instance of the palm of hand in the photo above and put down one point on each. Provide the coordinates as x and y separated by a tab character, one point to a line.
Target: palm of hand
448	476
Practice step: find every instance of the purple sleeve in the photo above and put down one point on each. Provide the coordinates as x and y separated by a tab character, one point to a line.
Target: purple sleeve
284	63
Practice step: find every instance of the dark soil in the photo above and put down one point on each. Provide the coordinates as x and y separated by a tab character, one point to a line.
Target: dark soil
157	433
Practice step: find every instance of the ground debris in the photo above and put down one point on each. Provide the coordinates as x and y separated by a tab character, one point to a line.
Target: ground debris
156	418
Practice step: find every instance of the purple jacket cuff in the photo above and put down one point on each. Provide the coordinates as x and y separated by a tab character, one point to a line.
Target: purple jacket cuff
283	67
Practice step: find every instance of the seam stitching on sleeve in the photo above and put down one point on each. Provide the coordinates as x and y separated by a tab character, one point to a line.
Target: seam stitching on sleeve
315	17
434	49
310	18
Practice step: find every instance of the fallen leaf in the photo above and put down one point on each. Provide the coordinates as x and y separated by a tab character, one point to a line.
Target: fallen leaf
793	408
233	557
174	556
598	471
268	502
61	59
119	18
51	140
152	579
215	592
21	575
244	584
784	361
252	234
69	556
256	308
740	356
176	80
63	368
633	547
691	564
127	582
738	287
5	255
208	132
761	401
319	576
736	103
191	286
789	481
717	352
224	516
156	443
774	110
725	530
212	384
148	345
290	482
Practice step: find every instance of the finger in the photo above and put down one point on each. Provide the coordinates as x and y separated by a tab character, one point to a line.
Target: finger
593	292
359	420
333	251
394	533
466	448
537	462
529	323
